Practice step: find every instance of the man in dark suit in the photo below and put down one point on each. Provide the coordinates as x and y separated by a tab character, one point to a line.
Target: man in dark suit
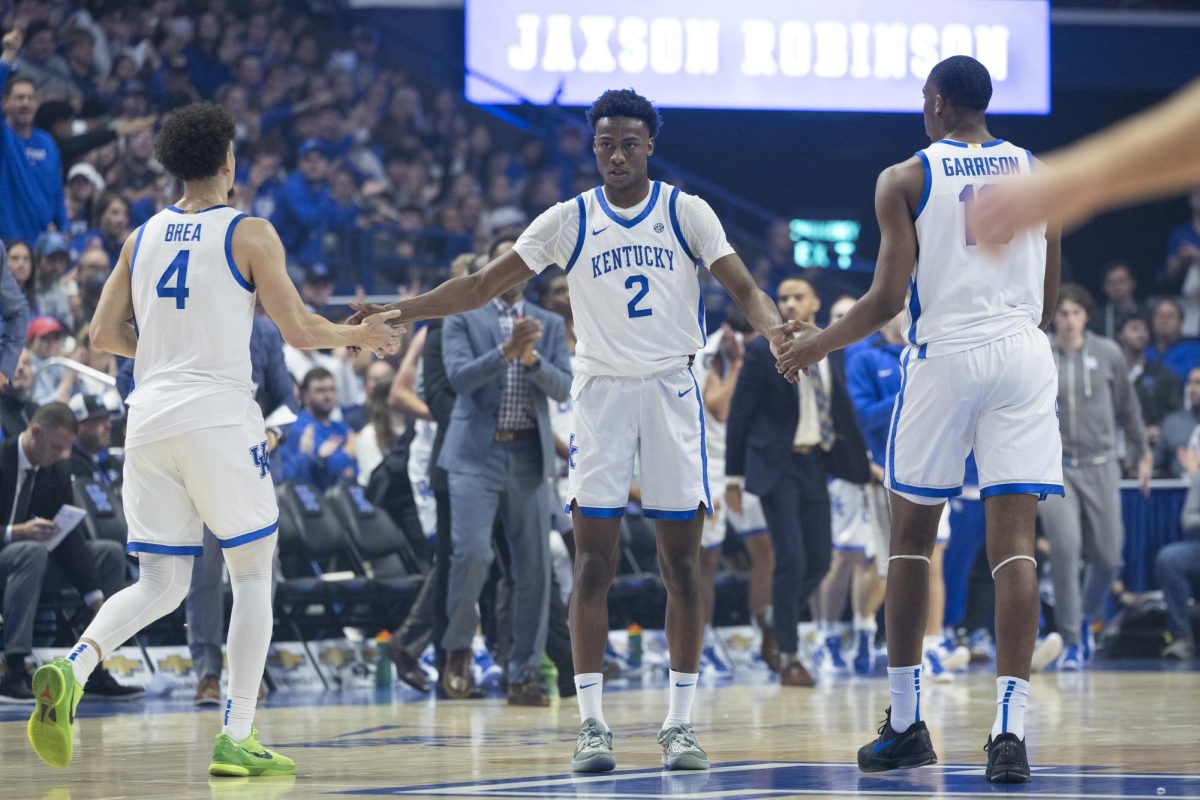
503	360
783	440
35	482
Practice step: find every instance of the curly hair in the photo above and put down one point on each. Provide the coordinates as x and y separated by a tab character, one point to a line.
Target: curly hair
963	82
194	141
625	103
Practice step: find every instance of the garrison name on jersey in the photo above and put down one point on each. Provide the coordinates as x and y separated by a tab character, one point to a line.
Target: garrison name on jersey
981	166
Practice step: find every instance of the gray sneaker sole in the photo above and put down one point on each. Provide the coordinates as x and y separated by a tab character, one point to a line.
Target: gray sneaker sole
685	761
600	762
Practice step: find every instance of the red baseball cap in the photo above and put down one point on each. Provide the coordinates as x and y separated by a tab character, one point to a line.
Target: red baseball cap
43	326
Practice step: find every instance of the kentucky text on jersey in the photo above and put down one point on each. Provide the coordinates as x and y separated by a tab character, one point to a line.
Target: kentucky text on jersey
633	255
981	165
183	232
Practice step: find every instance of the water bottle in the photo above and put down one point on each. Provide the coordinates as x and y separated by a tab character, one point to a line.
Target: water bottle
635	645
384	677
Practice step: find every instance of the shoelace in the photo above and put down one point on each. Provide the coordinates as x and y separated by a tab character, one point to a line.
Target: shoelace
591	738
678	735
887	720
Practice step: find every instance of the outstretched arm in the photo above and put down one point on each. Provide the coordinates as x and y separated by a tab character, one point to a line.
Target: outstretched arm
1153	154
457	295
893	269
755	304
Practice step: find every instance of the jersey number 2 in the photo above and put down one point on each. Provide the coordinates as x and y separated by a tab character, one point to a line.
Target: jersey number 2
177	267
644	282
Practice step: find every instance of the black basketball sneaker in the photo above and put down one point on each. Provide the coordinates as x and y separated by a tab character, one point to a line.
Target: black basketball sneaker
1007	762
893	750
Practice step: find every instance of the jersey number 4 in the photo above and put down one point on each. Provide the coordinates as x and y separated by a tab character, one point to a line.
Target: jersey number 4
176	270
644	283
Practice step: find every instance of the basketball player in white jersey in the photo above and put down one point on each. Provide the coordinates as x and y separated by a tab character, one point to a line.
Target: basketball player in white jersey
632	250
977	372
196	448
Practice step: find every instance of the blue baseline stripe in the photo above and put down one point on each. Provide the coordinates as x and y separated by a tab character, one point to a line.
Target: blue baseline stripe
596	512
659	513
687	251
582	233
246	538
928	183
165	549
703	446
1040	489
237	276
628	223
136	244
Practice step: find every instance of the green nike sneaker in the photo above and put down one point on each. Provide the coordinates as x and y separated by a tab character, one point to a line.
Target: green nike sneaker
247	758
57	695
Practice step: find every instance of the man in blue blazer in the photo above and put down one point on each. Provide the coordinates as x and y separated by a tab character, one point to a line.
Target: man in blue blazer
783	441
503	360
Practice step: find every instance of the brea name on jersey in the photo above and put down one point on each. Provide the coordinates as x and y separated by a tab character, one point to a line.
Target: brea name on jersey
633	255
182	232
981	165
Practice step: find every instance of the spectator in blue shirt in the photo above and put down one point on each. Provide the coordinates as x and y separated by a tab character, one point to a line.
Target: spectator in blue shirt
1169	347
1183	249
319	449
303	205
31	185
873	381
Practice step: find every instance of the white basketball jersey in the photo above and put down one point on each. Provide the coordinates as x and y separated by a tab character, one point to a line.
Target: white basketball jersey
635	288
963	295
194	313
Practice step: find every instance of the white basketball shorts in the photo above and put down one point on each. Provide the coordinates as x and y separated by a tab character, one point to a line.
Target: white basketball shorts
1000	399
219	477
750	522
656	418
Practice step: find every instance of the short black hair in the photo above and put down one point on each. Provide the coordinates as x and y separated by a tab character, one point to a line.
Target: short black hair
55	417
313	375
963	82
13	80
625	103
1133	318
194	141
1115	265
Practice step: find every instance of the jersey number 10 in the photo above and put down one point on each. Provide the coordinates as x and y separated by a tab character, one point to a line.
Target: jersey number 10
176	269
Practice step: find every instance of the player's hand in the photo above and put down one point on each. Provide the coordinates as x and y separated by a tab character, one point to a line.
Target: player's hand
801	352
525	333
37	529
1189	459
330	446
733	497
877	475
778	336
382	332
362	311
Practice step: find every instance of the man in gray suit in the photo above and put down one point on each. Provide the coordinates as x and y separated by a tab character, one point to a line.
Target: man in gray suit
14	313
503	360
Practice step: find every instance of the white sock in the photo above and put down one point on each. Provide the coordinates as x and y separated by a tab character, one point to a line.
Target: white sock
905	686
250	624
589	691
84	659
161	586
1012	696
867	624
239	716
683	691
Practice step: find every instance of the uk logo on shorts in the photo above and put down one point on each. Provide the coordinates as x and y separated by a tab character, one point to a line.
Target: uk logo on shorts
262	459
571	451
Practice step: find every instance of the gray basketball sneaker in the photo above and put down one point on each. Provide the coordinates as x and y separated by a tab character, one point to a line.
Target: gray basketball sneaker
594	751
680	750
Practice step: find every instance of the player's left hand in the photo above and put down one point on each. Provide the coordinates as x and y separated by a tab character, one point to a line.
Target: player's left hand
362	311
778	336
802	352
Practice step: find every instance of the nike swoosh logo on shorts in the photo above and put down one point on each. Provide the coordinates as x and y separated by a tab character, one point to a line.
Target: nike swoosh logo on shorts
685	391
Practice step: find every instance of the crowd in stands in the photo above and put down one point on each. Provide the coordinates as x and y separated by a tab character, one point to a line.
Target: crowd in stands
375	178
